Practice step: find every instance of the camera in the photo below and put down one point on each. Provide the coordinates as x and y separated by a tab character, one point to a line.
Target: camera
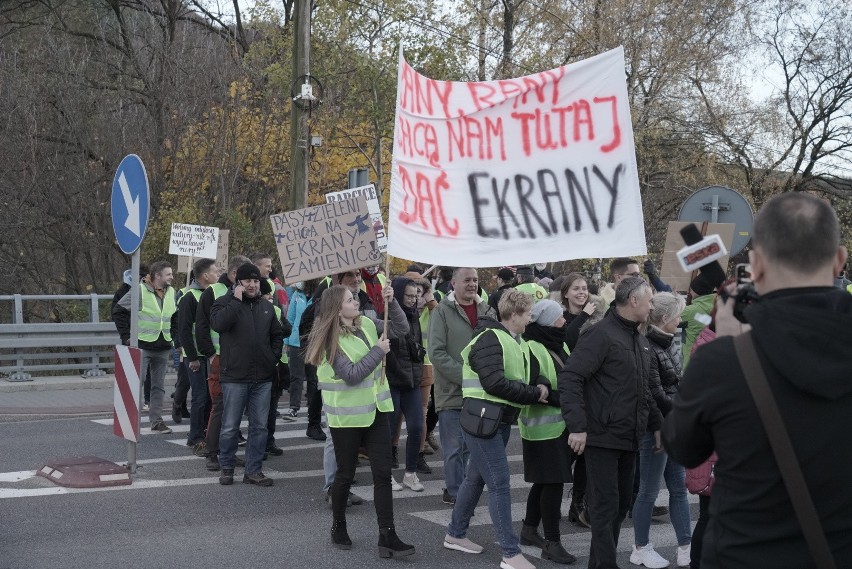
745	293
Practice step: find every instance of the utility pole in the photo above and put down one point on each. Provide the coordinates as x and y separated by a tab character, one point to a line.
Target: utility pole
300	136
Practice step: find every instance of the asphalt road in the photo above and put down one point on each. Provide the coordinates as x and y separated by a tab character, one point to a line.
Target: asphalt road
176	515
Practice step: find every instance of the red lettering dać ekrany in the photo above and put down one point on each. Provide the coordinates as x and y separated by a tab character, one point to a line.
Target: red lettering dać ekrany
420	94
559	126
474	138
423	204
419	139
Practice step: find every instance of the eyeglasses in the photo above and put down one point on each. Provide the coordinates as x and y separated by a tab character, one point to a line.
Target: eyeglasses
636	274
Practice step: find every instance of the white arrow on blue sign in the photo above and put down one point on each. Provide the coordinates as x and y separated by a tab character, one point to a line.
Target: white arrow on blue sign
130	203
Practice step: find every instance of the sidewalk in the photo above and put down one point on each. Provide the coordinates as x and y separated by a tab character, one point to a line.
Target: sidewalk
62	395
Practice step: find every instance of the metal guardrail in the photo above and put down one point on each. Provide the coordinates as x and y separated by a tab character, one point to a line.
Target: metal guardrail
79	347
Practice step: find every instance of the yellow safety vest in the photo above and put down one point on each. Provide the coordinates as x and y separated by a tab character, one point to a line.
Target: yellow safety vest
536	291
424	332
219	289
154	319
354	405
284	357
541	422
514	367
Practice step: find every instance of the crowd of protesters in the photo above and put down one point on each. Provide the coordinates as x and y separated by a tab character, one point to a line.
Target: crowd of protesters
597	376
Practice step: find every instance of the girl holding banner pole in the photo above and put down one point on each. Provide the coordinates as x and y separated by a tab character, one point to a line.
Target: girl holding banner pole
348	351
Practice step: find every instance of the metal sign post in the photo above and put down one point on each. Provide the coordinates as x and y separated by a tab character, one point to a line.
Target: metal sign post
130	206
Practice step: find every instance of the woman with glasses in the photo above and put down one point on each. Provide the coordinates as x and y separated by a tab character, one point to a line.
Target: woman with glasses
405	372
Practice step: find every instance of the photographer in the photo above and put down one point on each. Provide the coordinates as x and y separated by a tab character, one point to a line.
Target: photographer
802	329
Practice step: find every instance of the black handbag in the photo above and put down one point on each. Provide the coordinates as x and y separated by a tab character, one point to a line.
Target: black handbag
480	418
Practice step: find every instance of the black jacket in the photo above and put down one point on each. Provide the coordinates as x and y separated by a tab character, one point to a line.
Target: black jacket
604	387
202	318
665	371
573	325
250	337
494	298
486	359
804	343
187	309
405	359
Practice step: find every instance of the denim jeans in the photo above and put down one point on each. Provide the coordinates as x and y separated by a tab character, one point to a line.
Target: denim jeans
489	466
155	362
609	489
301	377
455	452
200	403
653	467
182	386
236	397
410	404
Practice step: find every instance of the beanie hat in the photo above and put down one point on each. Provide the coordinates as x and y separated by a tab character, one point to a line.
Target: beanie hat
702	285
525	271
248	271
546	312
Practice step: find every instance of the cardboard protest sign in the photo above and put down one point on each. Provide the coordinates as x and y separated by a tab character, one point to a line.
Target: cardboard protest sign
671	272
325	239
369	192
534	169
184	264
196	241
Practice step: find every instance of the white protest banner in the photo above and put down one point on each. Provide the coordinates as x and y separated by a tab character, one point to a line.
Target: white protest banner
369	192
325	239
196	241
529	170
184	263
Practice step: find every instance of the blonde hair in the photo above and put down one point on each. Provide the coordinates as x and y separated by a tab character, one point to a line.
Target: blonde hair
513	301
328	327
665	306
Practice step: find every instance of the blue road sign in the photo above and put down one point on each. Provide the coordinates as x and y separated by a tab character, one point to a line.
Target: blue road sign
130	203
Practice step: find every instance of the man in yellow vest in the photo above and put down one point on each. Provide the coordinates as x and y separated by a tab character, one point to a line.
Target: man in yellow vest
205	273
157	327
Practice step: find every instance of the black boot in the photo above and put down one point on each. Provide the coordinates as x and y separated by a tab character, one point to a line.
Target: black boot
530	536
394	457
554	551
339	536
391	546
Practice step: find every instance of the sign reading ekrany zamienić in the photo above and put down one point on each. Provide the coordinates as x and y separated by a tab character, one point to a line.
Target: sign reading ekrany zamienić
534	169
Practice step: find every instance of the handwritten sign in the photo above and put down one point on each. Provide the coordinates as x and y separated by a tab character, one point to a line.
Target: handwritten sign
184	264
369	192
325	239
197	241
528	170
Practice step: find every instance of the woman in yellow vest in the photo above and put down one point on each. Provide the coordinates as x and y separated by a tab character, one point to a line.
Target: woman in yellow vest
494	376
547	457
346	348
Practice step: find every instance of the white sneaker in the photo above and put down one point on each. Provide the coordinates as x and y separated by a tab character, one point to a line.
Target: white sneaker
683	555
516	562
648	557
462	544
411	481
395	485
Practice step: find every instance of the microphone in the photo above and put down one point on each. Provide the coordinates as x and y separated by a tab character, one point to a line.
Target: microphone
702	253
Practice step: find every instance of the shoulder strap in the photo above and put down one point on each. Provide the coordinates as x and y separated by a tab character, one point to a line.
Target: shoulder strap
785	456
